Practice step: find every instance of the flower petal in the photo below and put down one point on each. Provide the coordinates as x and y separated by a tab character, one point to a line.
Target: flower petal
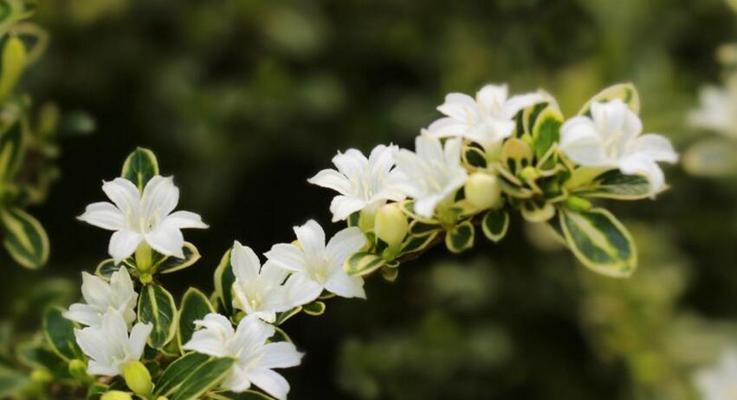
103	215
311	237
123	193
280	355
270	382
167	239
287	256
344	285
343	206
300	290
332	179
83	314
185	220
123	243
344	244
245	262
160	197
639	164
654	146
460	106
137	341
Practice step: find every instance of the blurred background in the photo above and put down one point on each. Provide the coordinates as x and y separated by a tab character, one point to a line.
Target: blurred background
243	100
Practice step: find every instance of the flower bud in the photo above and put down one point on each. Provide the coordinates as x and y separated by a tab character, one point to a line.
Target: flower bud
391	224
41	376
483	191
116	395
78	369
137	378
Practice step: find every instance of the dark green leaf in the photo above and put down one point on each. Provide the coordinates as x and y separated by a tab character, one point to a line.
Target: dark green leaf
156	305
460	237
599	241
140	166
195	306
59	333
495	224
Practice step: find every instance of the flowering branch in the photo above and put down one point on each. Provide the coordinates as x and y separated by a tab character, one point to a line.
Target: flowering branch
489	157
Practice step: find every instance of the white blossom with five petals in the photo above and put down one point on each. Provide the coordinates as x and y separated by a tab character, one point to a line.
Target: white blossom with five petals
99	296
145	217
265	290
320	266
432	173
109	346
361	182
487	120
611	138
719	382
255	359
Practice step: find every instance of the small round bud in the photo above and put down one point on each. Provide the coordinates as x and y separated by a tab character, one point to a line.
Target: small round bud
578	203
116	395
41	376
483	191
391	224
78	369
137	378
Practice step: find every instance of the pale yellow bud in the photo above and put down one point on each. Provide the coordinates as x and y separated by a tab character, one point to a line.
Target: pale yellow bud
78	369
483	191
137	378
116	395
391	224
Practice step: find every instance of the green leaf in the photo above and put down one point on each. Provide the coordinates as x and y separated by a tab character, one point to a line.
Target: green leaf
140	166
107	268
363	263
14	57
195	306
546	131
224	279
171	264
599	241
190	376
12	11
460	237
616	185
474	157
280	336
415	243
12	142
537	211
156	305
284	316
315	308
59	333
25	239
495	225
623	91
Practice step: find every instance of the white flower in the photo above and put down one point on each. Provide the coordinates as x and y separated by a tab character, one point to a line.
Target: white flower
432	174
262	290
486	120
362	182
137	217
255	359
321	266
101	296
720	381
108	345
611	138
717	111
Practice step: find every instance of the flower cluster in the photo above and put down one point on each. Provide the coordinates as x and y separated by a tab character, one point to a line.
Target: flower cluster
488	157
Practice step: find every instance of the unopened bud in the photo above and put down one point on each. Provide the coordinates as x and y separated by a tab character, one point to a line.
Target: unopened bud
116	395
41	376
391	224
78	369
137	378
578	203
483	191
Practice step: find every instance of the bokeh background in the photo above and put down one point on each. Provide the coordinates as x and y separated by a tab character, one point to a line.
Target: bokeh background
243	100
